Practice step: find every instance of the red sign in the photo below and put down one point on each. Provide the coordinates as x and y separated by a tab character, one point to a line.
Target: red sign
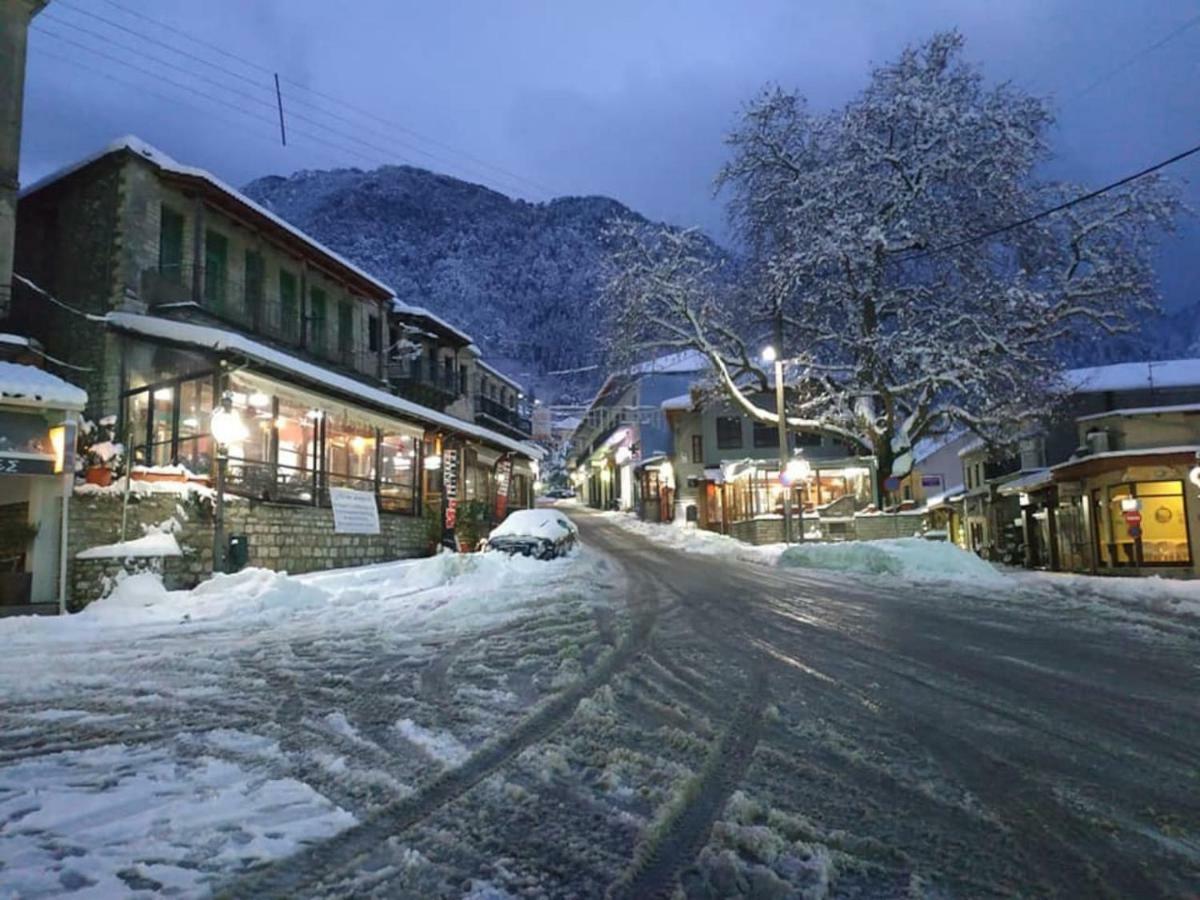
503	478
450	484
1133	517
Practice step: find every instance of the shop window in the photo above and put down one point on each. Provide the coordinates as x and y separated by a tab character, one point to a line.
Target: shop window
698	448
170	245
296	434
765	435
651	484
216	270
807	439
1164	530
729	432
397	473
195	407
350	455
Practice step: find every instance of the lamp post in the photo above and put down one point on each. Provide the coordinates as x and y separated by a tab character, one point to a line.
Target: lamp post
227	428
773	354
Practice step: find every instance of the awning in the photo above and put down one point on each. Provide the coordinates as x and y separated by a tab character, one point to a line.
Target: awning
715	475
1026	482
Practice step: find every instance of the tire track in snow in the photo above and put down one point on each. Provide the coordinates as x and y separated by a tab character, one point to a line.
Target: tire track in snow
685	829
325	863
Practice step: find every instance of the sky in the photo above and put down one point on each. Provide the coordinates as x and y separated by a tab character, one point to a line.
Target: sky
623	98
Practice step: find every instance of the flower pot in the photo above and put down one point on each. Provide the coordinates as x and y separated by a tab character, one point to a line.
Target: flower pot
98	475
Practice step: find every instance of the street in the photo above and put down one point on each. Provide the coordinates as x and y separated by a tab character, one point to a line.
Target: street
680	722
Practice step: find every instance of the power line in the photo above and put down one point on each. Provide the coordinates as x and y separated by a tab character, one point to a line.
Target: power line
1028	220
386	153
510	175
1126	63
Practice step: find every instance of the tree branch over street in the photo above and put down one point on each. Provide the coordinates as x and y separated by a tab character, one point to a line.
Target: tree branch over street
860	230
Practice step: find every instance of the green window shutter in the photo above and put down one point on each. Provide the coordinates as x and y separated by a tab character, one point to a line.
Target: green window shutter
289	306
317	318
170	245
252	289
216	269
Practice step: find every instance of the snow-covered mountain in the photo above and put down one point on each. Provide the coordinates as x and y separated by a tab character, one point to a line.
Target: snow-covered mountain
523	278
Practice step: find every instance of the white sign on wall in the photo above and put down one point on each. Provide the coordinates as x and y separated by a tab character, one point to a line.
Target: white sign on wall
354	512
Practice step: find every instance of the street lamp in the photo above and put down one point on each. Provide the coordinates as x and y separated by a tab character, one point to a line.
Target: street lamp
227	428
772	354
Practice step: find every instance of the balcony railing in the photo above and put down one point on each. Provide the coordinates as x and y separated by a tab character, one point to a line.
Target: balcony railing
256	311
488	411
414	380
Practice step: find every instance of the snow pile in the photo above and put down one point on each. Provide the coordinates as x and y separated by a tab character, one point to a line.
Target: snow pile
441	745
912	559
691	539
1162	595
31	386
153	544
544	523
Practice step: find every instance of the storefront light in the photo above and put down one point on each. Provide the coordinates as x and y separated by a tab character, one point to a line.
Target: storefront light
1130	504
164	394
432	463
190	422
314	414
358	444
227	425
259	400
58	441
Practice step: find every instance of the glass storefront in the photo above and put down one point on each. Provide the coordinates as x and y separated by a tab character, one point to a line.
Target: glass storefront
1163	538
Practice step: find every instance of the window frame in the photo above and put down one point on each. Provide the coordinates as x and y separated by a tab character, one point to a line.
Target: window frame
727	441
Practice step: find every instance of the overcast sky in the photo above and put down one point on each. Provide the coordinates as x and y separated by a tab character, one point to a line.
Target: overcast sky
628	99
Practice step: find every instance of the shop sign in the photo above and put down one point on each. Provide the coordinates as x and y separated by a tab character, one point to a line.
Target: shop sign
26	465
503	478
931	481
354	512
1133	517
450	483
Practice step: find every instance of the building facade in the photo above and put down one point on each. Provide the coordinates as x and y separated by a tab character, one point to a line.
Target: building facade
178	294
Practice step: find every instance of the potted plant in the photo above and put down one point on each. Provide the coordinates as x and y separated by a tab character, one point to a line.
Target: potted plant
471	518
433	528
100	453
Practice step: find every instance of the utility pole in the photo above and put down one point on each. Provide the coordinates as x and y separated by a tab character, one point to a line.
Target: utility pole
774	353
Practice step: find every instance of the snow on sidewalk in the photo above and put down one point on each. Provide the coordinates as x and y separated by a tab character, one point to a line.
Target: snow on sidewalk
918	560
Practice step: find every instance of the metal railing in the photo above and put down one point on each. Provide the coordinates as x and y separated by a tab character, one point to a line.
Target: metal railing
425	384
278	483
486	407
256	310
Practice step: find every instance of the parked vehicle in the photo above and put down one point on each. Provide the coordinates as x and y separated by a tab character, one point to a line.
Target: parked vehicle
539	533
560	493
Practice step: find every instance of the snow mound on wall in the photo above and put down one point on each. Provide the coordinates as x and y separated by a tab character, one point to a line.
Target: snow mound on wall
913	559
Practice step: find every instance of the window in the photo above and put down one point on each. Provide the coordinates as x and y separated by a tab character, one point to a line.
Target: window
195	405
398	473
350	454
170	245
252	288
166	423
448	371
729	432
698	448
346	331
316	319
807	438
766	435
463	375
289	306
216	269
1164	532
373	333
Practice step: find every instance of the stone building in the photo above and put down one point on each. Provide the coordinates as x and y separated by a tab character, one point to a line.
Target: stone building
15	16
179	294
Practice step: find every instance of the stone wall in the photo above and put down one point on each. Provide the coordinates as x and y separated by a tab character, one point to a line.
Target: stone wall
878	526
295	539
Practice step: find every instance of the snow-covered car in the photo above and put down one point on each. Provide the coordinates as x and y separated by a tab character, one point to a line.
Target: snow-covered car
540	533
560	494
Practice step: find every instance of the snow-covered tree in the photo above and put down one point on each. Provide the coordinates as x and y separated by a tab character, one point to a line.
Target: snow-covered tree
863	262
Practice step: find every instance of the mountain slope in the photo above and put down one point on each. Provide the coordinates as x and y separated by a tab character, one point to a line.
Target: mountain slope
522	278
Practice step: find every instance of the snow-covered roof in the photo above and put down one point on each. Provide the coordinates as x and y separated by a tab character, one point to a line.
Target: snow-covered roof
406	309
16	340
22	385
488	367
678	363
233	342
935	443
950	495
675	404
165	163
1118	454
1025	482
971	447
1142	411
1167	373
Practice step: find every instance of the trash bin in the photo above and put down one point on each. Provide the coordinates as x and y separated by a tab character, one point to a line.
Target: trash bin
237	556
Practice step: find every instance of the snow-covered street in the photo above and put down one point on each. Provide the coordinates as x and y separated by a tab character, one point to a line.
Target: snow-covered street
633	720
